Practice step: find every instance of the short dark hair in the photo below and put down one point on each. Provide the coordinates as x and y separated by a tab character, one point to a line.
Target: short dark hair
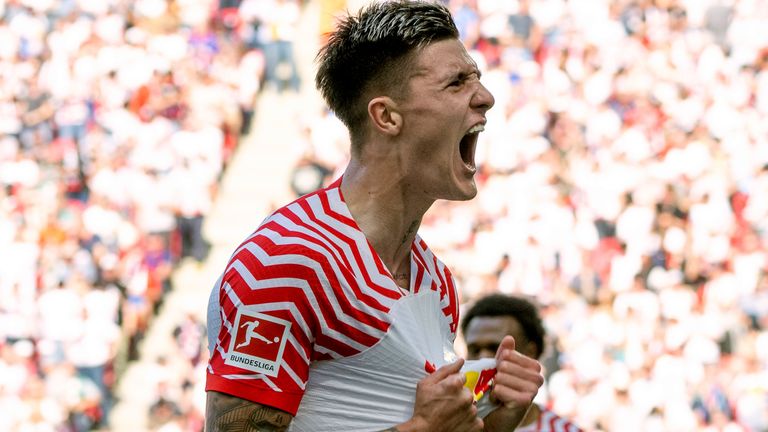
519	308
373	51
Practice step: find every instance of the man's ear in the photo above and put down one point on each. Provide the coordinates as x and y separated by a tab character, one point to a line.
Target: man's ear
385	115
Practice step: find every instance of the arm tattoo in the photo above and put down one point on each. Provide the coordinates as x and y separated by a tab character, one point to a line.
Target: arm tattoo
226	413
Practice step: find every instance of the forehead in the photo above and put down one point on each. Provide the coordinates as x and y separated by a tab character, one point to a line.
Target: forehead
442	59
487	329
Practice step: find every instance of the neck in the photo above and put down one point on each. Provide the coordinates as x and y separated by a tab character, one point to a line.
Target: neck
387	211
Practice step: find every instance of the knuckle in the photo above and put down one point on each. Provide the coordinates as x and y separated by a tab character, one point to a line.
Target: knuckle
466	397
459	381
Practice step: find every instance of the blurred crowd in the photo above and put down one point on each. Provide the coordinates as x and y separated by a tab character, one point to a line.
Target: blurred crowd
117	120
623	186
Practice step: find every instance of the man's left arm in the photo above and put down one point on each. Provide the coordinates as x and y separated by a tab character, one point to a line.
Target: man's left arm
518	379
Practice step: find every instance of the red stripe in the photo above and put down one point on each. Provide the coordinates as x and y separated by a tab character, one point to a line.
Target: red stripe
419	277
270	295
336	215
380	267
392	291
420	265
453	297
552	421
294	359
329	273
318	356
436	269
355	254
316	285
274	295
344	267
254	391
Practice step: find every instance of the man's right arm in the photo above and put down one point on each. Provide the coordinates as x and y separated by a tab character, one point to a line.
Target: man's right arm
225	413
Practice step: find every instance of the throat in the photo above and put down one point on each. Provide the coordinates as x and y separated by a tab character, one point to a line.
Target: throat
402	279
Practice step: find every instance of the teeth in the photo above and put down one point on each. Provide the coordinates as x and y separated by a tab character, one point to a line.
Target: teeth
476	128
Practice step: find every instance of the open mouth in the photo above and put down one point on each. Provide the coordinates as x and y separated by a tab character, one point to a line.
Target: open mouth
467	146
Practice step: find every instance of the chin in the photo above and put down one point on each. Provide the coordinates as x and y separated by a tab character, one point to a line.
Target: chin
463	192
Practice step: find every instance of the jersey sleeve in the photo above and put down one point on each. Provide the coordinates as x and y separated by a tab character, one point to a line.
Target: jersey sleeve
265	338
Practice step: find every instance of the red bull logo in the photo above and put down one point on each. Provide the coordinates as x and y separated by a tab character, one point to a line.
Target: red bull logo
479	375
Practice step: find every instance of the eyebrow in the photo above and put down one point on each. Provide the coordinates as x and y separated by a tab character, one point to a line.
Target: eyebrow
460	74
457	71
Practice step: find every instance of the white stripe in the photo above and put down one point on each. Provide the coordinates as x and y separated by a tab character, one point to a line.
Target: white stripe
334	259
227	324
304	286
420	260
304	261
292	374
232	295
436	270
256	376
429	261
358	239
269	306
221	350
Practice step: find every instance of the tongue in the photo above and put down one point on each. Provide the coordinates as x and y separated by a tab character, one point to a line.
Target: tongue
465	149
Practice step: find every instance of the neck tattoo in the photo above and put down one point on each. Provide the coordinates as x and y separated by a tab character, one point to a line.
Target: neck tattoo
410	231
400	276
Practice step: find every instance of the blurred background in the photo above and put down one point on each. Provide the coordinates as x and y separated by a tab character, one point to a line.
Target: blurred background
623	185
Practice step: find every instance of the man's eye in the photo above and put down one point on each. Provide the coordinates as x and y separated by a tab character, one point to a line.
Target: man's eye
455	83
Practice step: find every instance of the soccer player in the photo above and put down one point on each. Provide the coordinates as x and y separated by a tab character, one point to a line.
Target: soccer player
364	313
488	322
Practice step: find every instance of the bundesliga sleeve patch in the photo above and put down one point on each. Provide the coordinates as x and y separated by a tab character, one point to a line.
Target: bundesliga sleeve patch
257	342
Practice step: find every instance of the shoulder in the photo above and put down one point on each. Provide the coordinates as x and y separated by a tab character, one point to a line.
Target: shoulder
303	233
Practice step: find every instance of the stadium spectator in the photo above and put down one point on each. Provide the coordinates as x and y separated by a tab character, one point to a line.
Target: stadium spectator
102	103
495	316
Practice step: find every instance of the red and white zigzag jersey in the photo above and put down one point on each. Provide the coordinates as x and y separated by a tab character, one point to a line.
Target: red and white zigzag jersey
307	319
548	421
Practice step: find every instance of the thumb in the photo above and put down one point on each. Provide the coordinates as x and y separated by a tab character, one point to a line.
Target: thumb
508	343
445	371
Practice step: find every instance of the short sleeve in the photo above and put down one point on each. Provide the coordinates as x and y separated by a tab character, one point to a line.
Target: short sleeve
264	339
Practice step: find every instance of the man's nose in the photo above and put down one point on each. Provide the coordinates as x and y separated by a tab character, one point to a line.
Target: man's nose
483	98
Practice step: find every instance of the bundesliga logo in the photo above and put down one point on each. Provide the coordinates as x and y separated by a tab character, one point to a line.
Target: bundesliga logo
258	342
